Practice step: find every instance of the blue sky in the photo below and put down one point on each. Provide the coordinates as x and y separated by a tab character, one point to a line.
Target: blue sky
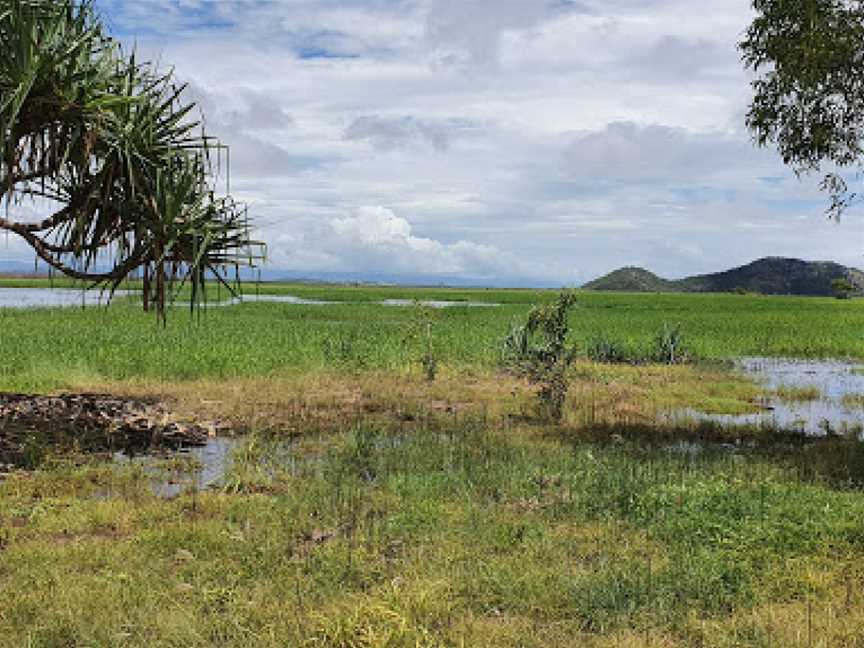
524	141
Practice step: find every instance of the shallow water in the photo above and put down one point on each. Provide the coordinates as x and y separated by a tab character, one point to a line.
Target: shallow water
53	297
291	299
827	414
60	297
275	299
213	463
436	303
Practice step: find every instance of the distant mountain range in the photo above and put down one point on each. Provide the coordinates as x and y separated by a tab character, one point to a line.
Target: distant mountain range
769	276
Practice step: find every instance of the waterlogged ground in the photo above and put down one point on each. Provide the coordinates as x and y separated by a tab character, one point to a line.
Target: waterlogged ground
811	397
442	532
357	504
189	470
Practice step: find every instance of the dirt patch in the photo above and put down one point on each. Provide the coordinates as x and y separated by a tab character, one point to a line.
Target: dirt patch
31	425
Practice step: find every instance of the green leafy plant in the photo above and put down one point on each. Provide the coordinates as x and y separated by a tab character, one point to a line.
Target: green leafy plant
670	347
537	349
419	332
108	146
807	99
602	348
842	288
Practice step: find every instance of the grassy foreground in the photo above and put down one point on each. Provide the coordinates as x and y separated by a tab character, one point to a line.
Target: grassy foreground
449	532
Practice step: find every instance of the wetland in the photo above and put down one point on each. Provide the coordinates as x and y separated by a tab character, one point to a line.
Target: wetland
271	474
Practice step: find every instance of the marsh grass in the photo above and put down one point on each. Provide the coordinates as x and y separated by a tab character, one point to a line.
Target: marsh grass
798	394
48	349
318	402
853	401
451	532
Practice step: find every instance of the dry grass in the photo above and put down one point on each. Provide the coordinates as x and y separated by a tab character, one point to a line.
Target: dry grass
295	404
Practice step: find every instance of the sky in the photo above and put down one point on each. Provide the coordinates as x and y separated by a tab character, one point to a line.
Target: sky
524	142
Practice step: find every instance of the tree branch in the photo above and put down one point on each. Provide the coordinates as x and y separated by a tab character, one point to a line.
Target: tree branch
44	251
44	224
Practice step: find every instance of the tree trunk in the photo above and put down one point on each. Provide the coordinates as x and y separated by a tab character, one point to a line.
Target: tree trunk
146	287
160	283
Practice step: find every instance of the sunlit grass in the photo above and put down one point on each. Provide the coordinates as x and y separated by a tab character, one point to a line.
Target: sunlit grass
444	533
54	348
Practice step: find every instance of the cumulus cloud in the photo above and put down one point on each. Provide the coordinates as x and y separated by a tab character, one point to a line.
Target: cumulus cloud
375	237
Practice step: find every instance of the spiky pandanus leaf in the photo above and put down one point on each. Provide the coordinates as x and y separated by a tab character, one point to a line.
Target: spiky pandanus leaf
110	144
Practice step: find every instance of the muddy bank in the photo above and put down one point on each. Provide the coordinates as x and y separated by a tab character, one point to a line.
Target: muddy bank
31	426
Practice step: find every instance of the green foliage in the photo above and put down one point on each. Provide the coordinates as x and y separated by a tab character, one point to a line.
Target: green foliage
807	95
842	288
419	333
108	143
538	350
667	347
670	347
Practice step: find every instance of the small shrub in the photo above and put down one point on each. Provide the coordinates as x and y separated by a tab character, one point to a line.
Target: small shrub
538	350
606	350
842	288
419	331
669	346
430	364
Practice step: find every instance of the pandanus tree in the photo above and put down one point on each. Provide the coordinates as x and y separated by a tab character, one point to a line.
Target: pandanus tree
104	170
808	90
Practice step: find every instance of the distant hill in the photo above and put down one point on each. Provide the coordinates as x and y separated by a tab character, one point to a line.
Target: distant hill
770	276
632	279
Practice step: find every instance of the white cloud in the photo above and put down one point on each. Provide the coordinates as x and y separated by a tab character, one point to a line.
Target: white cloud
376	239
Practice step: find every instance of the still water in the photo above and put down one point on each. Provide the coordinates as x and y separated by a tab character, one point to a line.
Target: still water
836	405
59	297
213	461
51	297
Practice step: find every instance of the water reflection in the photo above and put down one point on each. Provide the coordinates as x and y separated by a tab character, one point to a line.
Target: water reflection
211	462
54	297
813	397
65	297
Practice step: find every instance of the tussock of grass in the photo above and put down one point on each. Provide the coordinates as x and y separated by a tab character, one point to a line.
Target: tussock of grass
853	401
799	394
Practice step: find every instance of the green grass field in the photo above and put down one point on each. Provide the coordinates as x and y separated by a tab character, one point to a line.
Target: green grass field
49	349
367	507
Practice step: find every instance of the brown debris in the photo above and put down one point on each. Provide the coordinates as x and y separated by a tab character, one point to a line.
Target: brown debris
89	423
